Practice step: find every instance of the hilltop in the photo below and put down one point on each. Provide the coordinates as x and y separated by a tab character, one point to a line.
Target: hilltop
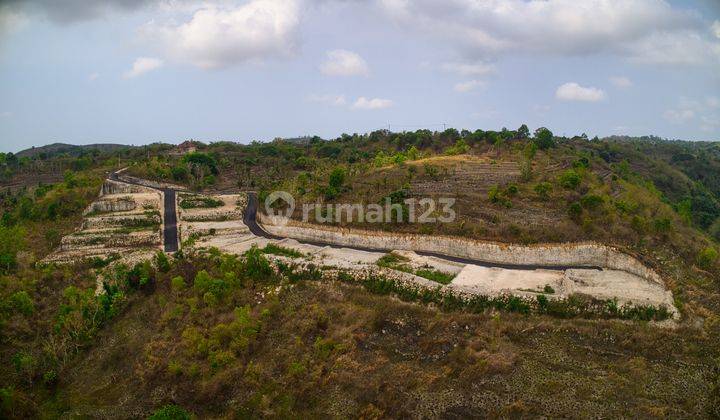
56	149
221	335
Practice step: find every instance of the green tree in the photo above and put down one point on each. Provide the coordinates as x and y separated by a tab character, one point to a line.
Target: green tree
523	132
12	240
170	412
544	138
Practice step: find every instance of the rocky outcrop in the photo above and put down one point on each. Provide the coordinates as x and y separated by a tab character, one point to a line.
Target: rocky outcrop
545	255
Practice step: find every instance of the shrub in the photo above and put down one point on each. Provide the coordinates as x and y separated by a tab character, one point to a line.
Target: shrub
496	196
662	225
177	283
24	364
257	266
22	302
575	210
179	173
707	257
459	148
194	202
170	412
202	281
271	248
570	179
592	201
11	241
435	275
543	189
162	262
639	224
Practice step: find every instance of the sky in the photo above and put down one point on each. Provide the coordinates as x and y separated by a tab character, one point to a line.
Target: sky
143	71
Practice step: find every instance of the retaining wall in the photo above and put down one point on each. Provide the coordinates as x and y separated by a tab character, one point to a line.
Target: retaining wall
115	187
581	255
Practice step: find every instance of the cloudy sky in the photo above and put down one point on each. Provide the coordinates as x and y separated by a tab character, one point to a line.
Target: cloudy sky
139	71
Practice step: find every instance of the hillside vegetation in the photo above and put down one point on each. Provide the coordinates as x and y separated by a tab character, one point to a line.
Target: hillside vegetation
215	335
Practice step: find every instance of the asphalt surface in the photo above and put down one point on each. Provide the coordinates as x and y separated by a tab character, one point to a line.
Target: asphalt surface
250	219
170	234
170	230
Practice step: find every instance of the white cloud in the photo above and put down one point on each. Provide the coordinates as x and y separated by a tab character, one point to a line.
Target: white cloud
217	37
674	48
469	69
334	100
344	63
650	31
572	91
691	110
716	29
374	103
679	116
468	86
143	65
11	20
621	81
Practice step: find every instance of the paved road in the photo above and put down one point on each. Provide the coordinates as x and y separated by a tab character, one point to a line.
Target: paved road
170	230
250	219
170	234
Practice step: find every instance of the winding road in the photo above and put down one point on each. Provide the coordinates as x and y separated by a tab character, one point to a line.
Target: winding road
250	219
171	237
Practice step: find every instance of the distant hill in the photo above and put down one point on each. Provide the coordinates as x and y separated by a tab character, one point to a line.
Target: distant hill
56	149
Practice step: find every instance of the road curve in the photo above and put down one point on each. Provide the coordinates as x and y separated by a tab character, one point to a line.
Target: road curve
250	219
170	234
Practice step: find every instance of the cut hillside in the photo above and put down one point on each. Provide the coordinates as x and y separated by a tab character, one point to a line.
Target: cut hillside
237	325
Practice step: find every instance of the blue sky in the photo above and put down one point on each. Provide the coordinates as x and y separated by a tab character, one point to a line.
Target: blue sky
140	71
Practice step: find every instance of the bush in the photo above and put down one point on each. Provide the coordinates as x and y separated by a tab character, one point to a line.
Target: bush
575	210
11	241
195	202
662	225
257	266
543	189
707	257
570	179
22	302
170	412
498	197
271	248
179	173
459	148
177	283
162	262
592	201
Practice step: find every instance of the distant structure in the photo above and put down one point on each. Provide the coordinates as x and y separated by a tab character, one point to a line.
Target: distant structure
188	146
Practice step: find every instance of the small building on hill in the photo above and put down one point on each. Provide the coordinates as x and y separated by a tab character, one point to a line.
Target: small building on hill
188	146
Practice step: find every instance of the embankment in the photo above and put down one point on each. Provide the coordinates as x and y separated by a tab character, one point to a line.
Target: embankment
549	255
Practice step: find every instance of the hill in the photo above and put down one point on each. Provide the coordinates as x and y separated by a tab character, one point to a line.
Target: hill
220	335
56	149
